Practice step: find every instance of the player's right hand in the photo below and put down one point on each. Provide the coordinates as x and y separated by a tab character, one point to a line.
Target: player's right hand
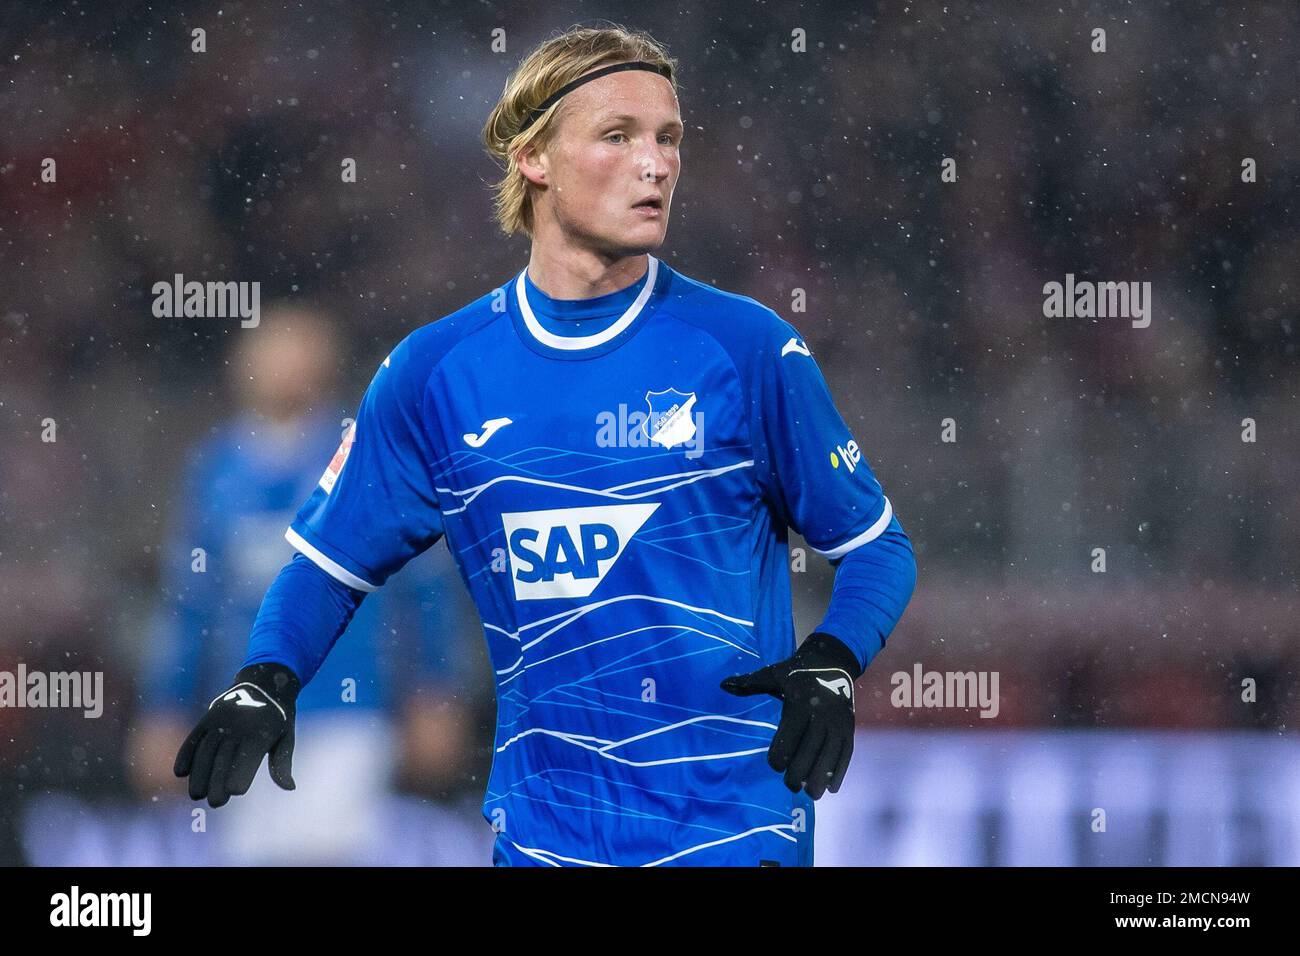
248	720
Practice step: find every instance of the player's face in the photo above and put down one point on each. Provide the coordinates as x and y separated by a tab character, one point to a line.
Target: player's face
616	146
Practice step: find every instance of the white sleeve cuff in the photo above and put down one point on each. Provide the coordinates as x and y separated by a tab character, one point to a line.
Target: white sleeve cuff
875	531
326	564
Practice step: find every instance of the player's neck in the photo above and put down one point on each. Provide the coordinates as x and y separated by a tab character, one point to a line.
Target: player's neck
570	274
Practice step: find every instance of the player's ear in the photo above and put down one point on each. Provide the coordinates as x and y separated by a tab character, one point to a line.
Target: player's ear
532	163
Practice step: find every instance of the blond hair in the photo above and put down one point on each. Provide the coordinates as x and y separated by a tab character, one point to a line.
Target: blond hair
557	61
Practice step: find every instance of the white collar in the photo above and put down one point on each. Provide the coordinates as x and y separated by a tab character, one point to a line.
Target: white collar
576	342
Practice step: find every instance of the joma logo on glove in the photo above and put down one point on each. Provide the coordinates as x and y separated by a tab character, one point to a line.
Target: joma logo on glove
840	685
243	698
102	909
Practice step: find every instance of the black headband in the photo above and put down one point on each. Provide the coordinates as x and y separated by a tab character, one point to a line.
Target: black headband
536	112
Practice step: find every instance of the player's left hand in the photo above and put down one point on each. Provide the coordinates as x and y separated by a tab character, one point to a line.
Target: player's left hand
814	740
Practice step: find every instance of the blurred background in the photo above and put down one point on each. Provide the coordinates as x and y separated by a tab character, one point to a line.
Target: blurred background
1124	690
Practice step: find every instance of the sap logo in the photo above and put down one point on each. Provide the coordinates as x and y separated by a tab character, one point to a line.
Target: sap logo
566	552
850	454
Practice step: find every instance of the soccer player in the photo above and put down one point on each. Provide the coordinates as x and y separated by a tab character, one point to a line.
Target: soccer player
615	453
242	485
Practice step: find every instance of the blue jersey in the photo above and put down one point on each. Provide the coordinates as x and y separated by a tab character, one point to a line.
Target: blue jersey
615	477
240	488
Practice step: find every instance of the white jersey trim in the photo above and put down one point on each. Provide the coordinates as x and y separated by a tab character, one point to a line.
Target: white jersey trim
573	343
870	534
330	567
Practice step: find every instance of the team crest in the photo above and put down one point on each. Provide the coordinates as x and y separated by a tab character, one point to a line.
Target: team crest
671	420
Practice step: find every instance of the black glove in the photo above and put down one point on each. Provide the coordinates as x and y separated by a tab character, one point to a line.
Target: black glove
252	717
814	740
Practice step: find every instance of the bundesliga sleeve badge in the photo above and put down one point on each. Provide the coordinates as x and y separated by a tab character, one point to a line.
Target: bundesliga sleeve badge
336	463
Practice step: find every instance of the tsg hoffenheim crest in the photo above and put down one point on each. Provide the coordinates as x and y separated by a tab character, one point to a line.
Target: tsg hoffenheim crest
671	420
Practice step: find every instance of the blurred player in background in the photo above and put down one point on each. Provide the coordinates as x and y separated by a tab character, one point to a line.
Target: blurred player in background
389	698
615	453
